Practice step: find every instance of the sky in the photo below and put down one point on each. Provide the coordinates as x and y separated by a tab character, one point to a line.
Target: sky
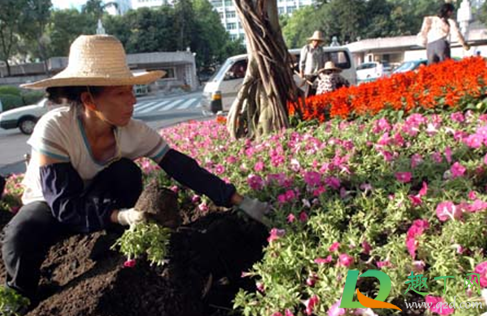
67	4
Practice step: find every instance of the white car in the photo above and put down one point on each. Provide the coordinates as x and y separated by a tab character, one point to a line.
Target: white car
370	71
25	117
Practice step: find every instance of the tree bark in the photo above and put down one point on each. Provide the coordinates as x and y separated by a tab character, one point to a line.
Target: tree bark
261	104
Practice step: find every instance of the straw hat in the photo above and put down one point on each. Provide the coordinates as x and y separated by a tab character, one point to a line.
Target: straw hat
329	65
317	36
96	60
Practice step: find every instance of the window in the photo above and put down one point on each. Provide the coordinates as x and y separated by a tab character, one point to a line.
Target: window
237	71
231	14
221	15
170	73
339	58
231	26
291	9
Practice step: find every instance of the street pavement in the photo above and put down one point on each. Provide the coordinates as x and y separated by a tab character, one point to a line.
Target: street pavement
157	110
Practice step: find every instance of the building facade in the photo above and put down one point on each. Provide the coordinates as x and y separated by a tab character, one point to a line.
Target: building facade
121	8
231	22
136	4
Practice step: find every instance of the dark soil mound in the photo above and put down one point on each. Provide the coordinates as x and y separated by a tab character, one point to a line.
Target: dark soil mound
83	277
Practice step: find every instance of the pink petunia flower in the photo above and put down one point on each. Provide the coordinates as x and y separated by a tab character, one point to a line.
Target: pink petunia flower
129	263
448	210
311	304
403	177
291	218
481	269
335	309
345	260
303	217
255	182
275	234
334	246
324	260
366	247
457	170
288	312
438	305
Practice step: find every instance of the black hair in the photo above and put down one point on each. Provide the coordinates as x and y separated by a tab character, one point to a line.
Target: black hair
444	9
70	93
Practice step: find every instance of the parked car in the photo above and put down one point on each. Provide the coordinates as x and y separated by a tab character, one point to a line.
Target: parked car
411	65
221	90
25	117
372	70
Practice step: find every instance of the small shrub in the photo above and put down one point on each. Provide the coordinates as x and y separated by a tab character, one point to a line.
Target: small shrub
10	101
11	302
10	90
32	97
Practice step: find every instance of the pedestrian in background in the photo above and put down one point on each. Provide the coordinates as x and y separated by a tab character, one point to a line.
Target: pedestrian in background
311	60
330	79
435	32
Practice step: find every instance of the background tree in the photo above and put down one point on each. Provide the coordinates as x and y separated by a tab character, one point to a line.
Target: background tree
209	37
301	25
64	27
34	19
183	23
9	29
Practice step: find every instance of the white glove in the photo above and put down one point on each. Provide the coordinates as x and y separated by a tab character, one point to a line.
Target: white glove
254	208
130	217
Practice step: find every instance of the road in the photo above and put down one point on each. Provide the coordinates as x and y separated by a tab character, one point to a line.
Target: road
158	111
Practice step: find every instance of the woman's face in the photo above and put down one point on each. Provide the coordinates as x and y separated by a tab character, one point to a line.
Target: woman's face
115	105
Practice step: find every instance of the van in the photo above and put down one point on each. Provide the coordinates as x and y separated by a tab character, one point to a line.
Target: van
221	90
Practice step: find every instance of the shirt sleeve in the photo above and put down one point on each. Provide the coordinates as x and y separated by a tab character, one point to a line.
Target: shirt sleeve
186	171
50	139
139	140
63	190
425	28
456	31
302	58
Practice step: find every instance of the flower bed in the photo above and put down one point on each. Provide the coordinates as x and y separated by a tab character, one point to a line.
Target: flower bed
448	84
398	196
403	195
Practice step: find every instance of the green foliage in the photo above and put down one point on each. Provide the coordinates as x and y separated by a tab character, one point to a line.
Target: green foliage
148	239
32	97
10	101
64	27
11	302
10	90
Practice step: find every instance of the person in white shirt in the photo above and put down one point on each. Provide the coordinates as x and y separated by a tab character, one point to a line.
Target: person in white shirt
435	32
312	59
81	177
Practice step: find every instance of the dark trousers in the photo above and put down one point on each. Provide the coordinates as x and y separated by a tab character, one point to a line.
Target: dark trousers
438	51
33	230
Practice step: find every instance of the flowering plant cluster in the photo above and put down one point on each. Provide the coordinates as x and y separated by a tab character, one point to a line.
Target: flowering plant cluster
443	85
399	195
145	239
12	193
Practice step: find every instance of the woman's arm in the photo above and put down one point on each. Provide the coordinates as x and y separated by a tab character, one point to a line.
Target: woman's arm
63	190
186	171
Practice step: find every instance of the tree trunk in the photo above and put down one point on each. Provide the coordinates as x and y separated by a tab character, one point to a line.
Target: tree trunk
261	104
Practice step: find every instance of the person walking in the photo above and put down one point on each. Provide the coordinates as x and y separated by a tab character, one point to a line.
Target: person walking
329	79
81	177
312	59
435	32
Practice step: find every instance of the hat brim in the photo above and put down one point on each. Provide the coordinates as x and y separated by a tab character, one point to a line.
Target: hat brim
331	69
138	78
